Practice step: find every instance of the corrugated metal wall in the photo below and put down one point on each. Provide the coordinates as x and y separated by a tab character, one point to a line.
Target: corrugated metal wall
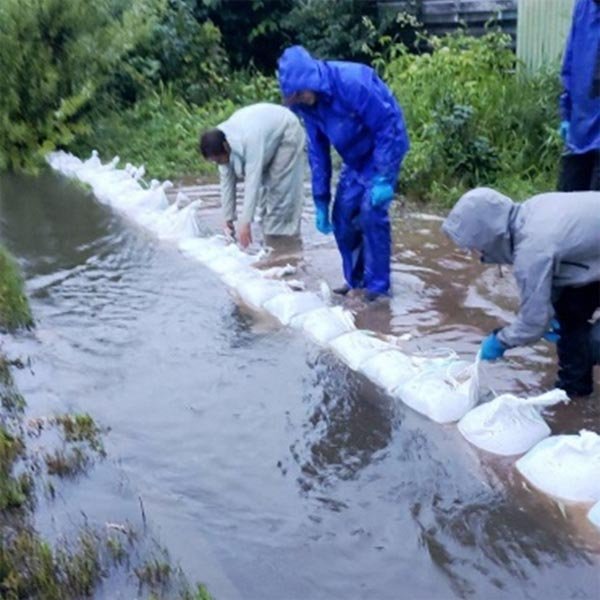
542	29
443	16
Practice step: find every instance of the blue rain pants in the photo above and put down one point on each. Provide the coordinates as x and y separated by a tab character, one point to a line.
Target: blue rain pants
362	233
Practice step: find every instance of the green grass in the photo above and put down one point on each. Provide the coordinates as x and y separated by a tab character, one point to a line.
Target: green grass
14	307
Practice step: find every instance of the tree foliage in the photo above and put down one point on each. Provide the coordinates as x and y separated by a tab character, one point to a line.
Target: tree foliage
183	50
56	59
334	30
254	31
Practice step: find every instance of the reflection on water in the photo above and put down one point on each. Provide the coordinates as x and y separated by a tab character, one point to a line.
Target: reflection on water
267	468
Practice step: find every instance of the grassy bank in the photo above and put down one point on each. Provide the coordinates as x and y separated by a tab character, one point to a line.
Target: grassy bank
162	130
14	308
38	457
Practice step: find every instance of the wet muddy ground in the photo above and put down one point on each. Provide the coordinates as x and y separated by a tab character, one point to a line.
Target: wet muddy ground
265	466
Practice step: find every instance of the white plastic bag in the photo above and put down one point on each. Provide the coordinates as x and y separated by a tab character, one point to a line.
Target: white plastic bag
256	291
356	347
441	390
509	425
325	324
565	466
178	224
230	259
594	515
389	369
287	306
203	249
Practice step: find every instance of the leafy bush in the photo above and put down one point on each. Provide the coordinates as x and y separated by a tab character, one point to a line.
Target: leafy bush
254	31
182	51
56	57
338	30
473	117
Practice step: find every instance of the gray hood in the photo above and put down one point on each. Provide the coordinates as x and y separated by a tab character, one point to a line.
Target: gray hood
483	220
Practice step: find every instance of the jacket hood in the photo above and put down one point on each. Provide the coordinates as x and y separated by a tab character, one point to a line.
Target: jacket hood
298	70
483	220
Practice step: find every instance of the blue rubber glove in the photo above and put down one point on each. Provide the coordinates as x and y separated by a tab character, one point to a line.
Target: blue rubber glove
564	130
322	222
382	191
492	348
553	333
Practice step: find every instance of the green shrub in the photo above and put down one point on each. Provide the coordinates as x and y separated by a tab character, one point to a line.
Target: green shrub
56	58
181	51
474	118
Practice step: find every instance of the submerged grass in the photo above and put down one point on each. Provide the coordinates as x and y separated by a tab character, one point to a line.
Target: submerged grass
32	567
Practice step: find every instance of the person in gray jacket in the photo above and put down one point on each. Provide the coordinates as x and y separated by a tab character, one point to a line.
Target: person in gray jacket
553	242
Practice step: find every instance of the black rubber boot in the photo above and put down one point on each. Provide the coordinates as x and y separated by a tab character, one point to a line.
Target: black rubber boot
342	290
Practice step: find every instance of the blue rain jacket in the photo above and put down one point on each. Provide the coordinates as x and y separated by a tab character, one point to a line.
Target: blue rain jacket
357	114
355	111
580	101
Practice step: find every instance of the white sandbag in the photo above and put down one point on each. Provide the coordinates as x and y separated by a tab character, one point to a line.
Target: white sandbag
140	203
287	306
389	369
255	292
507	424
279	272
594	515
356	347
64	162
203	249
565	466
178	224
441	390
325	324
233	279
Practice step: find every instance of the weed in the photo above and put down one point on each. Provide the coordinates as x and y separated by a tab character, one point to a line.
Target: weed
116	549
30	569
154	573
66	463
81	428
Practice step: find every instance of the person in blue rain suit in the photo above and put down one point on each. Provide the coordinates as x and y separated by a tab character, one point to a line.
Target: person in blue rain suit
580	101
348	106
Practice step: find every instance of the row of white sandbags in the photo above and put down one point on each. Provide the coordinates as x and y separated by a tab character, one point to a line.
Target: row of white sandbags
436	387
443	388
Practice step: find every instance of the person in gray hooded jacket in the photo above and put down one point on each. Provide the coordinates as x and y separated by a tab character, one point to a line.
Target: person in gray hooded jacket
553	242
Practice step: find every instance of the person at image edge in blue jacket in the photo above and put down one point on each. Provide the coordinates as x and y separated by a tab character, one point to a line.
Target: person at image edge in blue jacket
347	105
580	101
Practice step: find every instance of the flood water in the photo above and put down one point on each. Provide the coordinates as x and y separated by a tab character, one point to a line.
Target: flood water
266	467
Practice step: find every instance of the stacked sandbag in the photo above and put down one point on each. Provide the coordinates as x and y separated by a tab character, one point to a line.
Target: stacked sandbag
509	425
594	514
441	388
565	466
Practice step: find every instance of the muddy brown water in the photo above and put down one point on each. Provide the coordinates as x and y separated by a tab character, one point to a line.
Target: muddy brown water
265	466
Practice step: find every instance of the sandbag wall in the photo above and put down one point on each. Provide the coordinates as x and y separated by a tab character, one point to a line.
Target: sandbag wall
443	388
